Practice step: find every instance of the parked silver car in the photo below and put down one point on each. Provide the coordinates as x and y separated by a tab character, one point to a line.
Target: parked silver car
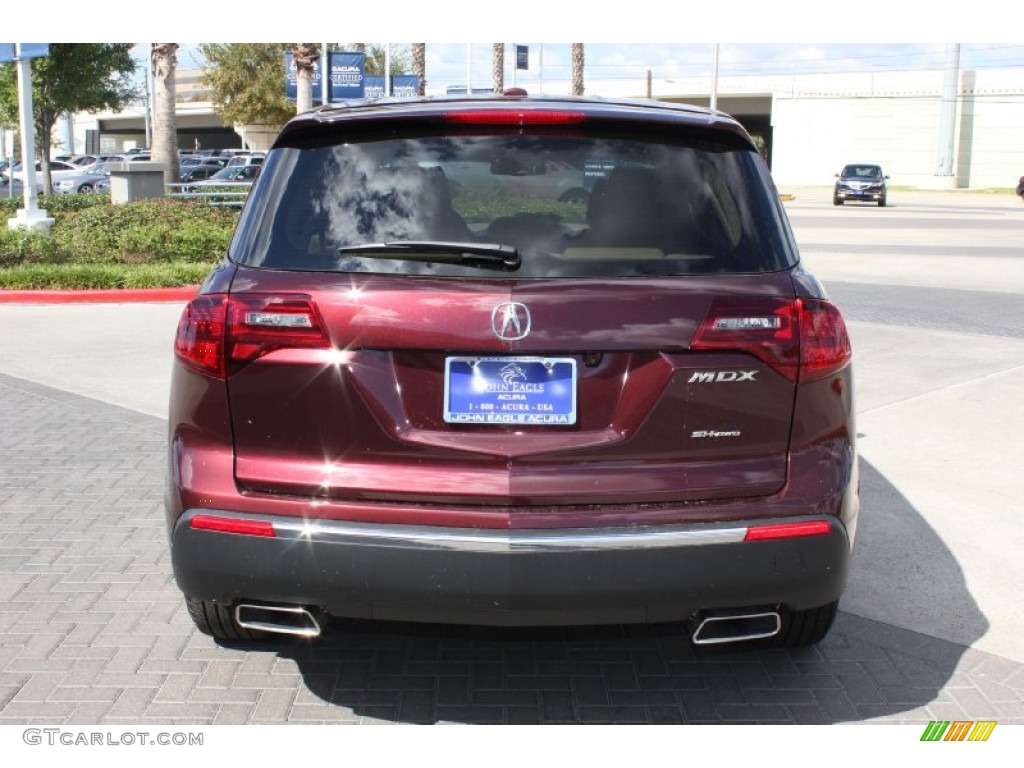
86	182
58	170
228	176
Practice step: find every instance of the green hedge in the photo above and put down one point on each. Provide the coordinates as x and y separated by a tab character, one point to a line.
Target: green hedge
54	205
92	231
148	231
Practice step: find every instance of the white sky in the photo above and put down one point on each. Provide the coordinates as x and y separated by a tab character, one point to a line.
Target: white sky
624	40
606	62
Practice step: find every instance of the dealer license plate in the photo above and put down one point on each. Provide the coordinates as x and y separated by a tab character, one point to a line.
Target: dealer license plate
510	390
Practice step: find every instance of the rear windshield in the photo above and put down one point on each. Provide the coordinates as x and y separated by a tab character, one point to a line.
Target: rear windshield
572	206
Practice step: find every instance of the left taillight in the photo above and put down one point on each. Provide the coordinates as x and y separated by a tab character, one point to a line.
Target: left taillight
199	343
218	334
258	324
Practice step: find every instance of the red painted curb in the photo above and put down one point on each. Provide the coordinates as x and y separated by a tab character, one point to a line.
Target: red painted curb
109	296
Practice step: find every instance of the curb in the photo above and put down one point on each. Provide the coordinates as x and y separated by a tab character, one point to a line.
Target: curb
107	296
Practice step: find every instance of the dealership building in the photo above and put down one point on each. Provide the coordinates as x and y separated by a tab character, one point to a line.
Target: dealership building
815	124
811	124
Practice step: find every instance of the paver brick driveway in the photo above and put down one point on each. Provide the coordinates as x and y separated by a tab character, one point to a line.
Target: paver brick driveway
93	630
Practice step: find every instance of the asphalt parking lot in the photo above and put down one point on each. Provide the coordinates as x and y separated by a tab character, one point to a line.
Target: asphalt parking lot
93	629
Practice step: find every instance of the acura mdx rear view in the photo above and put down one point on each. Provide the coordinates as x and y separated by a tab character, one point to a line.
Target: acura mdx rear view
513	361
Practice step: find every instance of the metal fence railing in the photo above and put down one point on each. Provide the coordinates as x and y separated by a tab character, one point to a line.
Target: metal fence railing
227	193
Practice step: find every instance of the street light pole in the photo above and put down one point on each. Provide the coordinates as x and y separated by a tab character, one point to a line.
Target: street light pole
714	78
149	100
31	216
540	71
325	75
944	176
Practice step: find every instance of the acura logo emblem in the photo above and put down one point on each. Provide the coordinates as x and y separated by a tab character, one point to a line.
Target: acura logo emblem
510	321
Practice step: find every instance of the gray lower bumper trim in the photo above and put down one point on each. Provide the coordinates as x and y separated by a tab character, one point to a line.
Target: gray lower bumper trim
509	577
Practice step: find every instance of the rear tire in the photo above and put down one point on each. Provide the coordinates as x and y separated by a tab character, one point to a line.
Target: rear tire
86	189
800	628
218	621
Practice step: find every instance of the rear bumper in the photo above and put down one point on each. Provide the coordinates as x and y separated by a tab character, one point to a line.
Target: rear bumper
510	577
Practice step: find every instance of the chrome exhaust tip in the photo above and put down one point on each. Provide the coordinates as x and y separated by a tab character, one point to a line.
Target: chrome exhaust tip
718	627
279	619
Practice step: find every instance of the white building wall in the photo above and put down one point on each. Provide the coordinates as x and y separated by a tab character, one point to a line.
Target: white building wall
991	125
893	119
813	138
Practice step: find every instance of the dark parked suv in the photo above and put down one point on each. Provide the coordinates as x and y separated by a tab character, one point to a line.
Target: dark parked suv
411	394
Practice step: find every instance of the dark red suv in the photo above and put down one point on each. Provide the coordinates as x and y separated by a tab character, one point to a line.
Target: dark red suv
513	360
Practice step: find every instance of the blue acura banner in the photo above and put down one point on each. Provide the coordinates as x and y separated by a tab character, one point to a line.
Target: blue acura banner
522	57
405	86
402	86
348	73
374	87
291	78
349	79
346	76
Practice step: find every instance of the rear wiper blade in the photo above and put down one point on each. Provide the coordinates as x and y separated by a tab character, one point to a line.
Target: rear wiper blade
479	255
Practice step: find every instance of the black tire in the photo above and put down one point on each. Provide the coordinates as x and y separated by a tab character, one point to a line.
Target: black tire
218	621
800	628
881	202
86	189
837	201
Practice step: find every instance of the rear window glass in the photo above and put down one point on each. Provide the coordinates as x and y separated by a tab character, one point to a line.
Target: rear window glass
572	206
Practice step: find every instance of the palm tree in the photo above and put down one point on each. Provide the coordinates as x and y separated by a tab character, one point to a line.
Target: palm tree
419	65
165	126
498	66
577	69
305	56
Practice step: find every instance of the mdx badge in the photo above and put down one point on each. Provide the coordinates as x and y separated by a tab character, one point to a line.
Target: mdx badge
715	377
511	321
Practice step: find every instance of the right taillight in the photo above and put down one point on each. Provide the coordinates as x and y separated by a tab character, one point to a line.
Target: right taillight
803	339
218	334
